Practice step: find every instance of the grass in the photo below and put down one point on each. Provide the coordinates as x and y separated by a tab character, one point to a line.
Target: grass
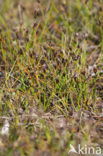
51	76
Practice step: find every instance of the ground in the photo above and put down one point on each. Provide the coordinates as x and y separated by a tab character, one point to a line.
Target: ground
51	77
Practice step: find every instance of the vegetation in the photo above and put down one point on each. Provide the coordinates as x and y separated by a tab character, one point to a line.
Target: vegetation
51	76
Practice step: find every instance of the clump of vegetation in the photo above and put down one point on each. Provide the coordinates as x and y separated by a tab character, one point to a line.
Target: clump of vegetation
51	76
